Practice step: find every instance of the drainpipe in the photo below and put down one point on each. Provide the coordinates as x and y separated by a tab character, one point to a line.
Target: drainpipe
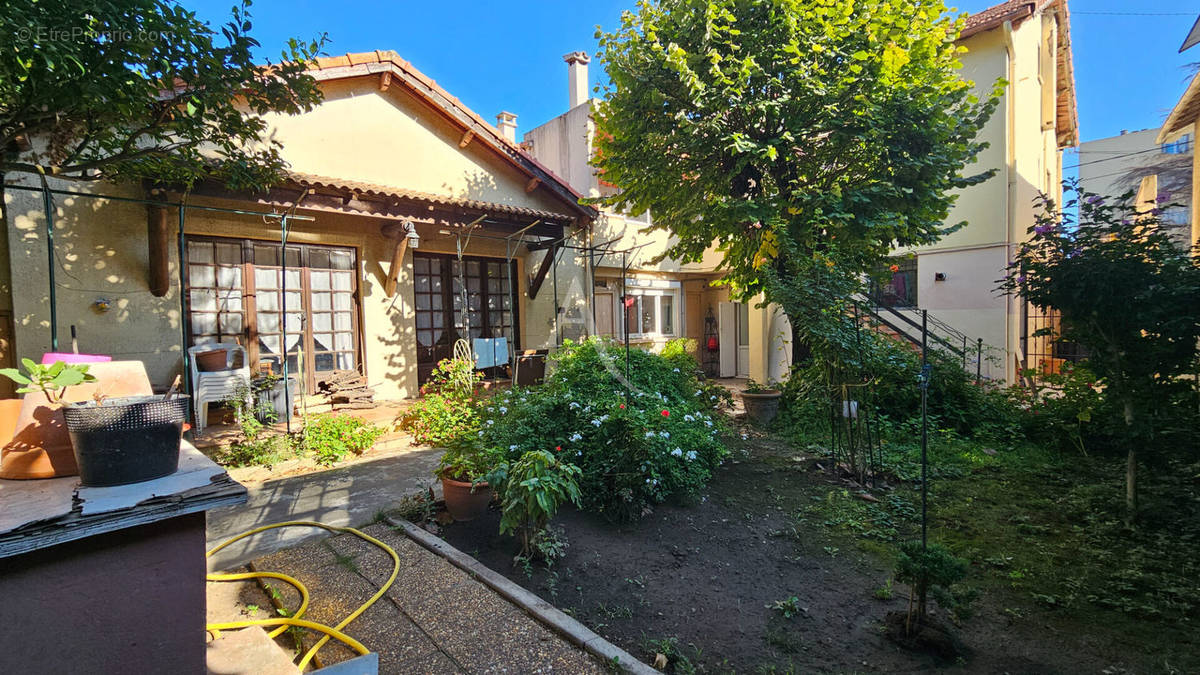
1010	174
48	206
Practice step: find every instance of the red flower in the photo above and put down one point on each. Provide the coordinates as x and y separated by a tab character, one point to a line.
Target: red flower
622	406
558	448
894	268
666	413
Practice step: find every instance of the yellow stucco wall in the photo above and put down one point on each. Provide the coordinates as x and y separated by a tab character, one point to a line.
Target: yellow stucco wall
357	133
1023	150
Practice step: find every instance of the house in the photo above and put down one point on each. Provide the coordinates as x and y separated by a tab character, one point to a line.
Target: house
1182	120
656	300
410	222
1028	44
1136	161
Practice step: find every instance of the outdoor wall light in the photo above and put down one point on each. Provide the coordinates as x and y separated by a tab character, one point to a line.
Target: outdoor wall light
410	233
939	276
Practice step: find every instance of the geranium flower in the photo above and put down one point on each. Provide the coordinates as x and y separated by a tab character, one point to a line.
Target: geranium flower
558	448
666	413
893	268
622	406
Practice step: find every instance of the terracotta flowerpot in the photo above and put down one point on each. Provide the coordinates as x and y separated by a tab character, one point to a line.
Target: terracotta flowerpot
761	407
39	446
212	361
462	502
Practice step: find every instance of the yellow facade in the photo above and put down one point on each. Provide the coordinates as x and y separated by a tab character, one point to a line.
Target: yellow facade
360	132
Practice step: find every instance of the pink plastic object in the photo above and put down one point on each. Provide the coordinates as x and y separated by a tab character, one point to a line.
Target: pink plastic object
67	357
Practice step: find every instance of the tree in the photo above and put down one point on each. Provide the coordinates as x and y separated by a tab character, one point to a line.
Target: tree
1125	292
142	89
779	129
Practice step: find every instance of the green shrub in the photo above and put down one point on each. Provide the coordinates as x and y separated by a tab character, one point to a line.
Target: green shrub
330	438
931	571
446	409
531	491
635	449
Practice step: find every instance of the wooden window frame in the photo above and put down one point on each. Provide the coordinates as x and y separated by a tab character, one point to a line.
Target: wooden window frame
248	338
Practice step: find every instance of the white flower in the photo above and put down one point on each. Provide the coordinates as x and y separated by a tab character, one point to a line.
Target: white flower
745	436
677	370
573	405
481	434
596	423
708	423
691	454
512	447
688	417
503	410
677	453
649	434
712	398
664	434
576	436
491	422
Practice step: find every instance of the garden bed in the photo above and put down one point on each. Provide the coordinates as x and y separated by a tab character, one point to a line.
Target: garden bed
696	581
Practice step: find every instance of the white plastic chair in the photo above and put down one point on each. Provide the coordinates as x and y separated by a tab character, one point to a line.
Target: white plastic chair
219	385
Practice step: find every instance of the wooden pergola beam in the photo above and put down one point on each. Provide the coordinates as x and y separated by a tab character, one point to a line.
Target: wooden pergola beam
159	250
393	277
543	269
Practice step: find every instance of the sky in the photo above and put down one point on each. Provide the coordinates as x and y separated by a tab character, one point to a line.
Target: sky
497	56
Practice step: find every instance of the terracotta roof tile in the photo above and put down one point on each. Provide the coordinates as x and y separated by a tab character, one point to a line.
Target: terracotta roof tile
388	192
996	15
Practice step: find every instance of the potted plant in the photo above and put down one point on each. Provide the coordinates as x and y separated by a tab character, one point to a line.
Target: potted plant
761	401
126	440
272	400
45	445
464	470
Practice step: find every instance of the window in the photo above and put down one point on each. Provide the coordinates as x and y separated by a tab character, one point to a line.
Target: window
438	296
899	285
1181	146
237	291
650	312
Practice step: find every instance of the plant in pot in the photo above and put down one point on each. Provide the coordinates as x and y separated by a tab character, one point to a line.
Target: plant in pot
464	471
761	401
115	441
45	440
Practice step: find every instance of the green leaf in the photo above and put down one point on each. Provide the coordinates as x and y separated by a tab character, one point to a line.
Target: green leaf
15	375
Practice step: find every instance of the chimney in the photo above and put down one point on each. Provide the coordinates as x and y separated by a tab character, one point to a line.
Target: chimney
506	122
577	77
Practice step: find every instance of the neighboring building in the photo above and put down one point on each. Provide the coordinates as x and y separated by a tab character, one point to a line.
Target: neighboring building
1028	44
1182	120
1137	161
665	299
365	290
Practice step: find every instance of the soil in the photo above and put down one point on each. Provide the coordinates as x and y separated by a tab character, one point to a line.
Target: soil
707	574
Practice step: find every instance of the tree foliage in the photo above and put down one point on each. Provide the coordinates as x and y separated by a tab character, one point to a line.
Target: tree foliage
779	128
1126	292
133	89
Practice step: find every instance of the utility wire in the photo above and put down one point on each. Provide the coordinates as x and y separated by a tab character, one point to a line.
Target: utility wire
1108	159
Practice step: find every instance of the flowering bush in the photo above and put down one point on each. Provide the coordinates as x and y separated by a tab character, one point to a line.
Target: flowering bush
446	409
635	449
331	437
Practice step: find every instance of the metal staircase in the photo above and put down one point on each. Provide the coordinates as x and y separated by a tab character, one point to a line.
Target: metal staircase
905	323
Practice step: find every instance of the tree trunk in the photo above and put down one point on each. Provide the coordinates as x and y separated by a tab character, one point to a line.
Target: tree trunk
1130	469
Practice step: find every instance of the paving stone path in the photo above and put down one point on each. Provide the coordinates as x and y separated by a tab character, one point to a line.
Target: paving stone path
434	619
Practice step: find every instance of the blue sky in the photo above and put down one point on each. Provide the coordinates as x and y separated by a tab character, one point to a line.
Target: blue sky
508	55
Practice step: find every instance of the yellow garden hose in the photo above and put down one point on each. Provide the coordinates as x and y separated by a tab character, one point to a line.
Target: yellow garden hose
295	620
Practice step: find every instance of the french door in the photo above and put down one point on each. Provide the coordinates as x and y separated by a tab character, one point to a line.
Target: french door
238	290
438	297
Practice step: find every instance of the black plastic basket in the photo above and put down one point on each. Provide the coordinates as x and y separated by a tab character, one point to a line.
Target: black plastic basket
126	440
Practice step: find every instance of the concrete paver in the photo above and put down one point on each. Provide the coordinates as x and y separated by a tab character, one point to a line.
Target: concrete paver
434	619
347	496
